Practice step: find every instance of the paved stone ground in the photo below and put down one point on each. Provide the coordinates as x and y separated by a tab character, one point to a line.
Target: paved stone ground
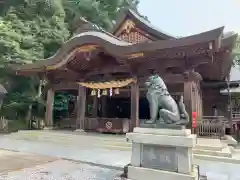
25	166
107	156
62	170
87	154
10	161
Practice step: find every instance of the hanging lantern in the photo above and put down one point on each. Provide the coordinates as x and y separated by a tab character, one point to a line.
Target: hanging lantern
104	92
93	93
110	92
116	91
99	93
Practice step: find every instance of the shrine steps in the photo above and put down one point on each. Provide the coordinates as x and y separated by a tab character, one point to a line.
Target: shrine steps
208	147
212	147
80	139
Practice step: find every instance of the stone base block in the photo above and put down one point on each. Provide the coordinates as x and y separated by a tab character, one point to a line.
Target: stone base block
139	173
169	132
162	149
79	130
48	128
163	137
230	140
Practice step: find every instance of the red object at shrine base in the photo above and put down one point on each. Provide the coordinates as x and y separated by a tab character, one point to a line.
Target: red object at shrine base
194	118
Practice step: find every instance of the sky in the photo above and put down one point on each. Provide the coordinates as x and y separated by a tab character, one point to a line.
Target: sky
187	17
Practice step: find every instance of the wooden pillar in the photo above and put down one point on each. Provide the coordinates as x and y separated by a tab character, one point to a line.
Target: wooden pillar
187	95
94	106
104	106
192	95
49	108
81	107
134	122
198	97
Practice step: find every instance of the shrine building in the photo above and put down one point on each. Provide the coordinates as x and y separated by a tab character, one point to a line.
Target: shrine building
107	71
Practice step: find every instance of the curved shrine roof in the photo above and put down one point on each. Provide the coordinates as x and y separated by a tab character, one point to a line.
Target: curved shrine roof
122	49
118	48
142	23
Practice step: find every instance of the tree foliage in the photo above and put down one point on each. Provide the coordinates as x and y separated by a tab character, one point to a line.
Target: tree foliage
100	12
236	52
31	30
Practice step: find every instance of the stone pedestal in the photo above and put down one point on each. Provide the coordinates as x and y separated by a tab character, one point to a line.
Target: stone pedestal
48	128
164	154
79	130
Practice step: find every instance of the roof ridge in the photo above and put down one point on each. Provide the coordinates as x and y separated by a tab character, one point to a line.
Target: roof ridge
98	28
141	21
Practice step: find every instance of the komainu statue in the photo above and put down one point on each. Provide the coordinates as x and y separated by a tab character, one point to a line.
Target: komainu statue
163	107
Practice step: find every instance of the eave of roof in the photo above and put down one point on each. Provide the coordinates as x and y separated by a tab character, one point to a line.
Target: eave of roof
117	47
231	90
142	23
228	43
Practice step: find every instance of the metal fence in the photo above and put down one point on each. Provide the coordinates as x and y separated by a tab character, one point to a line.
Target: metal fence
211	127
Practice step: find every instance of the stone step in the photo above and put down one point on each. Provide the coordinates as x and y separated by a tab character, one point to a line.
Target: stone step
59	137
210	148
69	141
210	144
224	153
83	138
117	146
89	145
62	135
80	141
109	141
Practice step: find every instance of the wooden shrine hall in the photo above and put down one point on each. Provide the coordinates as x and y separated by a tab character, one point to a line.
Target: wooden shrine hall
108	70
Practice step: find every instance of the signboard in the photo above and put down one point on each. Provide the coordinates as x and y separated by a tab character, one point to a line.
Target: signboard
108	125
158	157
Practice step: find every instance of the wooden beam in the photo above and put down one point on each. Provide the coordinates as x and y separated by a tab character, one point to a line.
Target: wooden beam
64	86
168	78
108	70
163	64
63	74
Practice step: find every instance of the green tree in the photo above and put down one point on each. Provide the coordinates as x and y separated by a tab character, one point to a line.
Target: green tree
31	30
100	12
236	52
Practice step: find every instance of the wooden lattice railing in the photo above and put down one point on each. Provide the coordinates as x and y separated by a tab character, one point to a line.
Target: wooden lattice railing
211	127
